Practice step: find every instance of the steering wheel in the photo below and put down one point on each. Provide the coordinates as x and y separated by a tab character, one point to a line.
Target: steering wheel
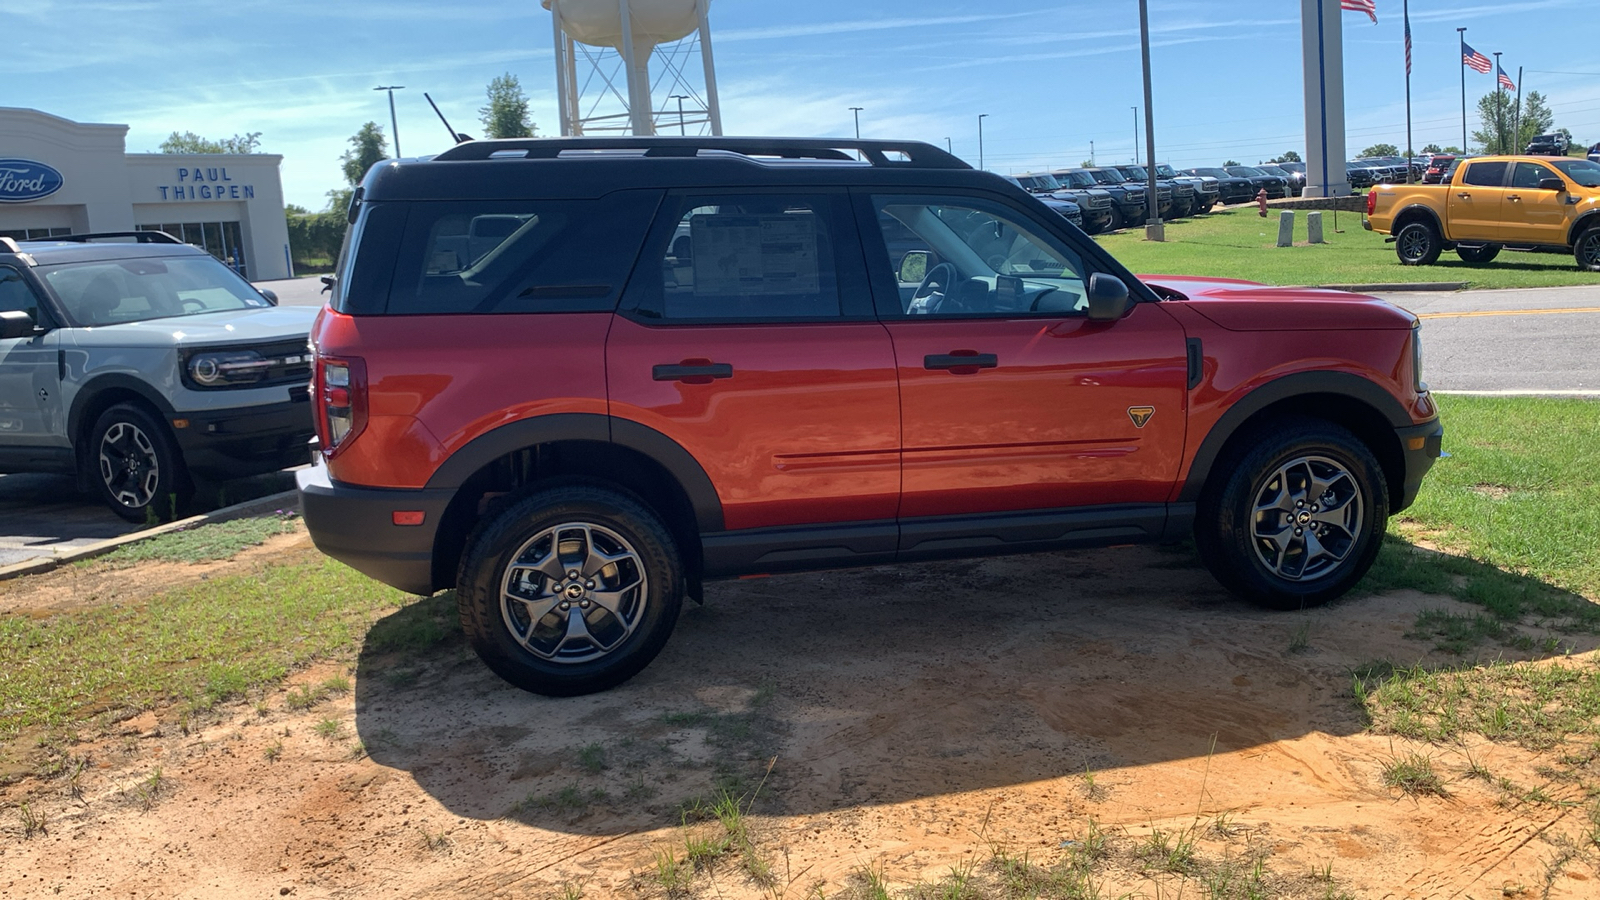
928	300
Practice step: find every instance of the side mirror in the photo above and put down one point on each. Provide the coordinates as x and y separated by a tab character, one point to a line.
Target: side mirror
1108	298
272	296
914	266
1553	184
15	323
328	281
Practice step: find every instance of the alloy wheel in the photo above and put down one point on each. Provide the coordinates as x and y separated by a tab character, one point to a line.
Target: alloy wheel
1308	517
129	465
573	593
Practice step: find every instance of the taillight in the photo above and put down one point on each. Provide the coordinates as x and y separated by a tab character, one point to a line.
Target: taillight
1372	202
341	389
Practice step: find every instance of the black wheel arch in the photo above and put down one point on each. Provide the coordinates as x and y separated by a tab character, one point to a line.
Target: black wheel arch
589	446
1361	406
1416	213
1583	224
100	394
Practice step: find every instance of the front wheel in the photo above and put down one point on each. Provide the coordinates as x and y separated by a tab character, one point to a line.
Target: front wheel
1296	517
1116	219
571	590
1418	244
136	466
1587	249
1478	255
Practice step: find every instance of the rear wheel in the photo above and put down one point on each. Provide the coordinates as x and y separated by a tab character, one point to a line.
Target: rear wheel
136	466
1418	244
1587	249
1296	517
572	589
1478	255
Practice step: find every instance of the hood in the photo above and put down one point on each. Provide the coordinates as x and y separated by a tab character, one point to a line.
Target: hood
234	326
1248	306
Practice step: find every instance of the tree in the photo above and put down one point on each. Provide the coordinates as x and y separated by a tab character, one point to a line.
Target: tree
1230	162
1289	156
367	147
189	142
506	116
1503	130
1380	150
1086	164
1433	148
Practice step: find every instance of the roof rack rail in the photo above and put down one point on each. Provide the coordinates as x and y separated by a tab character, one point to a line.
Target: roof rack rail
139	237
9	245
909	154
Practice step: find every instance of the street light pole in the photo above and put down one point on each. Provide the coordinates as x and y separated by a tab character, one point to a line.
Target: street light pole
980	138
394	123
857	111
1499	109
1153	229
1091	153
1135	134
949	147
680	98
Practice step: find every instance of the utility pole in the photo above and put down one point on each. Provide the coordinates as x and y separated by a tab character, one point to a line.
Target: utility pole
1135	134
680	98
1462	54
980	138
1516	128
949	147
857	110
1499	109
394	123
1091	153
1153	229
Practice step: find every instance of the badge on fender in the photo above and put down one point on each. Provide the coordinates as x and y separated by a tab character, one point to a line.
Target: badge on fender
1140	415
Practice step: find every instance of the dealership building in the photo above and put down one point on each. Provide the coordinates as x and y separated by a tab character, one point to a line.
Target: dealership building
60	177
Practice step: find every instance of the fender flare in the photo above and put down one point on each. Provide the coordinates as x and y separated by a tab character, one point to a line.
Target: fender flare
1417	209
1299	384
1579	227
111	381
518	435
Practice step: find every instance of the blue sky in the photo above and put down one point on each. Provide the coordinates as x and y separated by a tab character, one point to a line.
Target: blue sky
1051	76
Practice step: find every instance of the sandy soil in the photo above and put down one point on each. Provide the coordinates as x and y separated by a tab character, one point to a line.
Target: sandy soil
915	720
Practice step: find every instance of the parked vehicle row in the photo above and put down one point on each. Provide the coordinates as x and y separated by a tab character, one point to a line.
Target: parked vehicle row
1111	197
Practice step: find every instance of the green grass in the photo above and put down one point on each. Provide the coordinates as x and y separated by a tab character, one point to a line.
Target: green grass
1237	243
197	645
203	544
1537	706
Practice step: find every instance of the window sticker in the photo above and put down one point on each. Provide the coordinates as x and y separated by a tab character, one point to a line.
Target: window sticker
750	255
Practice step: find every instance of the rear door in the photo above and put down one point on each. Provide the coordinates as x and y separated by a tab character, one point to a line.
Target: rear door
1474	202
1011	399
747	336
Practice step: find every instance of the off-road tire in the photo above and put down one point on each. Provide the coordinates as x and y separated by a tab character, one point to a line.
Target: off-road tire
1116	218
488	611
1586	250
1229	521
135	465
1418	244
1477	256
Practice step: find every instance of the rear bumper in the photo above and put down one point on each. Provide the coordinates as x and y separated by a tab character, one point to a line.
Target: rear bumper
1420	446
356	526
249	440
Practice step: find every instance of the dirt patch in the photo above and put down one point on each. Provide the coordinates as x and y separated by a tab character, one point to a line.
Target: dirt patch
917	722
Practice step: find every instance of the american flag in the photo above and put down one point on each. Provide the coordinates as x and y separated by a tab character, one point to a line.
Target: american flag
1408	42
1370	7
1475	60
1505	80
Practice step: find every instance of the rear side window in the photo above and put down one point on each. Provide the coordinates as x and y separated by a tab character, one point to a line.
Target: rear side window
15	295
518	256
1486	174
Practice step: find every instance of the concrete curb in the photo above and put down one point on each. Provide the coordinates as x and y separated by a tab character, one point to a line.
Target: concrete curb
1438	286
285	500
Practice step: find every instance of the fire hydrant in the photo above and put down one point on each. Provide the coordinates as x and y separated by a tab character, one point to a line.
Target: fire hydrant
1261	201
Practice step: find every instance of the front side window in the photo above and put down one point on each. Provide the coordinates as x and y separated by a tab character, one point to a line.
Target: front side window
761	257
1486	174
15	295
964	257
132	290
1528	175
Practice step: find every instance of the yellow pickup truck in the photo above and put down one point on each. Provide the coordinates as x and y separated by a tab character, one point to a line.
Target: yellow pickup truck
1490	203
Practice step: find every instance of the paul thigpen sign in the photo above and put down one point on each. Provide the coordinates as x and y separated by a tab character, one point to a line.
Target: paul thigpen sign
211	183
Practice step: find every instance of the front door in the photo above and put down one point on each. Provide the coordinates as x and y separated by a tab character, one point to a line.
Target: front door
30	385
1011	399
748	337
1531	215
1474	203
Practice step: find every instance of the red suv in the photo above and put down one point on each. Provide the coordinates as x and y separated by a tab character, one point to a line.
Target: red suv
575	379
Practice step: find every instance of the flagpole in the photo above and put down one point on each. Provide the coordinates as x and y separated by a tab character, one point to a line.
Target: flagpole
1411	175
1517	138
1463	54
1499	107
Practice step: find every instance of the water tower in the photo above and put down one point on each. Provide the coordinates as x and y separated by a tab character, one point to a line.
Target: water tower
614	40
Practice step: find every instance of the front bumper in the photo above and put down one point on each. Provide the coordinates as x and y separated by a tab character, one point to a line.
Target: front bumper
243	441
1420	446
356	527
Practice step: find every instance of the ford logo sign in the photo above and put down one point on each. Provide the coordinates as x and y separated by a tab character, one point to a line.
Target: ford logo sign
22	180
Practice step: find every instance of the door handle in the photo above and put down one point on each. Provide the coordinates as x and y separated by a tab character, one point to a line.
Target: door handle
1514	198
960	359
692	371
1464	196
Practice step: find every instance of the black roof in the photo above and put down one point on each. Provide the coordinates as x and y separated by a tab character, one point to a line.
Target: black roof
576	168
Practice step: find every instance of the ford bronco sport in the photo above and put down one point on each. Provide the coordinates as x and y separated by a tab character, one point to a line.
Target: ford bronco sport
134	360
575	379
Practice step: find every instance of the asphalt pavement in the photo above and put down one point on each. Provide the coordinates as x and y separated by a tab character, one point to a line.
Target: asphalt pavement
1540	340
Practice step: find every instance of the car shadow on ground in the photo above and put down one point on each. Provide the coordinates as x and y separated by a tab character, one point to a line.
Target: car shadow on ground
879	686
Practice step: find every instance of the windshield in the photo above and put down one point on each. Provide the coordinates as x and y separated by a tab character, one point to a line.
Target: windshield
1292	166
1077	179
1214	173
1245	171
1166	171
1137	173
1045	182
134	290
1582	171
1272	170
1105	176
